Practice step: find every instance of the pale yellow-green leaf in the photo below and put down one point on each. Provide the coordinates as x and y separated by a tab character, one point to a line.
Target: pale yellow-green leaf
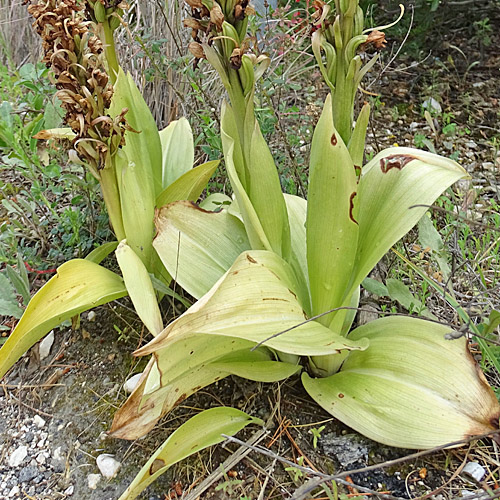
177	151
410	388
332	228
264	192
201	431
357	141
139	287
391	186
254	300
79	285
137	200
240	178
297	210
188	186
197	247
142	148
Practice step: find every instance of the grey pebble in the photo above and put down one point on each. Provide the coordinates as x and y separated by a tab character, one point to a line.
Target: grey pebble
28	473
57	465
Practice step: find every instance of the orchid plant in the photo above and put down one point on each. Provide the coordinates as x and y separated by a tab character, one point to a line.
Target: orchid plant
115	137
278	278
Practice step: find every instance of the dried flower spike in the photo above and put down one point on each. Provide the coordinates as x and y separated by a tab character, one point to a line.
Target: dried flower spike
76	56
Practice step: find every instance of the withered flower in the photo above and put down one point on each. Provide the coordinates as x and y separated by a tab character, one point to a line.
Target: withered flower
377	39
216	16
235	59
207	26
76	57
197	50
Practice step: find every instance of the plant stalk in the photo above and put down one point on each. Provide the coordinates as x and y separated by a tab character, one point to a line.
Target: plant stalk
110	50
111	196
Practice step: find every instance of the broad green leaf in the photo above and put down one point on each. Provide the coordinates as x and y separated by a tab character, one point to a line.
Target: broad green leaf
263	370
8	301
197	247
264	192
199	432
142	148
139	288
101	252
297	210
177	148
188	186
332	227
238	174
79	285
357	141
411	388
350	314
255	299
137	201
391	186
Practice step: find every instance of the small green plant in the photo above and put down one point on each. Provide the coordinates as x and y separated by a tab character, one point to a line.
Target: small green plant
295	473
316	434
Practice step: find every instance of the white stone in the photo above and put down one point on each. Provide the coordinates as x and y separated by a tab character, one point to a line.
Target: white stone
474	470
41	458
69	490
18	455
91	316
38	421
108	466
131	383
14	491
46	345
57	454
93	480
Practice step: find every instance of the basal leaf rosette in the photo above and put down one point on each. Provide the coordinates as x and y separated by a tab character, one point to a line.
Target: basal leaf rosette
217	336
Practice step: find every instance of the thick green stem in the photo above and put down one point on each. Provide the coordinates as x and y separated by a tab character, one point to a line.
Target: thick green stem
110	51
324	366
238	103
342	105
111	196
